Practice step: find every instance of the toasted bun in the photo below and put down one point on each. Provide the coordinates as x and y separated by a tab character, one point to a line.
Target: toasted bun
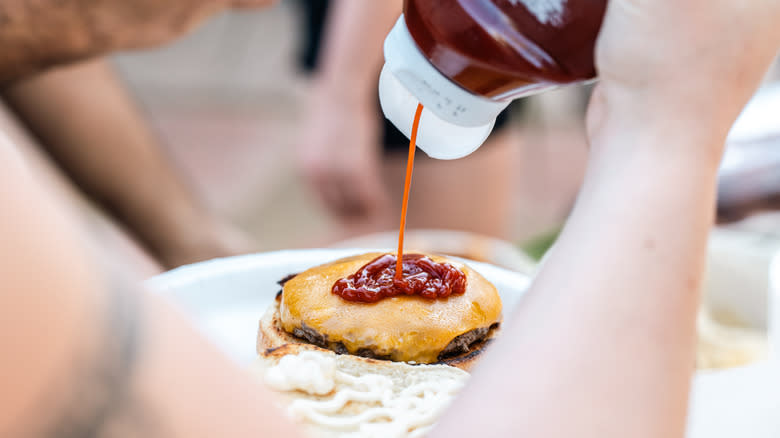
271	338
402	328
336	395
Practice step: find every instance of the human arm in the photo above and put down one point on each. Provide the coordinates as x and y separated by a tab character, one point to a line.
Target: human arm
87	121
38	35
603	343
88	354
339	151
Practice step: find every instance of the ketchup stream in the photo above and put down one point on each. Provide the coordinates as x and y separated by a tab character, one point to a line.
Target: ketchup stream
411	274
399	271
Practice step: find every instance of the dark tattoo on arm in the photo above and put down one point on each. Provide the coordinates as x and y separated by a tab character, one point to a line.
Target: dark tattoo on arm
4	18
100	400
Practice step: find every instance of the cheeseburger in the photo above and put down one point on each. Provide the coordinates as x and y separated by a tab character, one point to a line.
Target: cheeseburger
438	311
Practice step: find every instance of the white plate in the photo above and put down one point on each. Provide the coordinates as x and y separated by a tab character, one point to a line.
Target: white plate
226	297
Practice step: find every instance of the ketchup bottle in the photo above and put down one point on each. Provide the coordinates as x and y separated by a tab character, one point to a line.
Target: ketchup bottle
465	60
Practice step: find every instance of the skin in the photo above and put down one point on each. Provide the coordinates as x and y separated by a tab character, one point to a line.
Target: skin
603	345
610	316
72	30
93	356
107	368
344	171
359	184
104	145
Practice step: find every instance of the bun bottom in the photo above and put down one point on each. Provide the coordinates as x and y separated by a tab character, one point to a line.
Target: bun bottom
271	337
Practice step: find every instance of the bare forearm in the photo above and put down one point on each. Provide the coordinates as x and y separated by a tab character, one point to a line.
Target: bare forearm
183	375
87	121
38	34
602	345
127	365
94	356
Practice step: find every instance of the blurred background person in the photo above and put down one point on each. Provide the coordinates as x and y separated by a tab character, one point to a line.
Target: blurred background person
354	159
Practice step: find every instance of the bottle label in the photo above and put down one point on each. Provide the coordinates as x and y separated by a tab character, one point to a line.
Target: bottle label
548	12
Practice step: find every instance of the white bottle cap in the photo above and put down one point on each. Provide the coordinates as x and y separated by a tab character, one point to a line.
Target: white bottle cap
454	122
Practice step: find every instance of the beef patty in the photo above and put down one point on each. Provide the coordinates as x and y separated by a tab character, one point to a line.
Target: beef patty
459	345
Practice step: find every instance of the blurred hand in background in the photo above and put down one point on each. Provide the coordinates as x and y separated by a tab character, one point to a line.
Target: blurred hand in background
339	152
354	160
340	155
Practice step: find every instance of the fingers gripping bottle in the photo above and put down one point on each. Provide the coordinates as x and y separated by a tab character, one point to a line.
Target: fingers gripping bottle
465	60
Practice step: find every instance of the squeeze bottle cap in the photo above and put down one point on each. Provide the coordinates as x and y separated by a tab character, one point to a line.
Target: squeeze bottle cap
454	122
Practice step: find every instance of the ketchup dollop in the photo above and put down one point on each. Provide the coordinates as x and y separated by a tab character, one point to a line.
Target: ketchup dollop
421	276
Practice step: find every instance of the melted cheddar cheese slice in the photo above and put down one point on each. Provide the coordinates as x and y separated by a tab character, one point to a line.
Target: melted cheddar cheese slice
403	328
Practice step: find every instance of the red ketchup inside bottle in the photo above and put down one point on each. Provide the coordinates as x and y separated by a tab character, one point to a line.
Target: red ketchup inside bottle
505	49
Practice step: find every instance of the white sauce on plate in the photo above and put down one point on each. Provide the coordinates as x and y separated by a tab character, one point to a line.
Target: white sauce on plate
364	405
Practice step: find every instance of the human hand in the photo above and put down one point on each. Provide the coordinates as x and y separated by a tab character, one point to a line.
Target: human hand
682	65
141	23
339	155
41	34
